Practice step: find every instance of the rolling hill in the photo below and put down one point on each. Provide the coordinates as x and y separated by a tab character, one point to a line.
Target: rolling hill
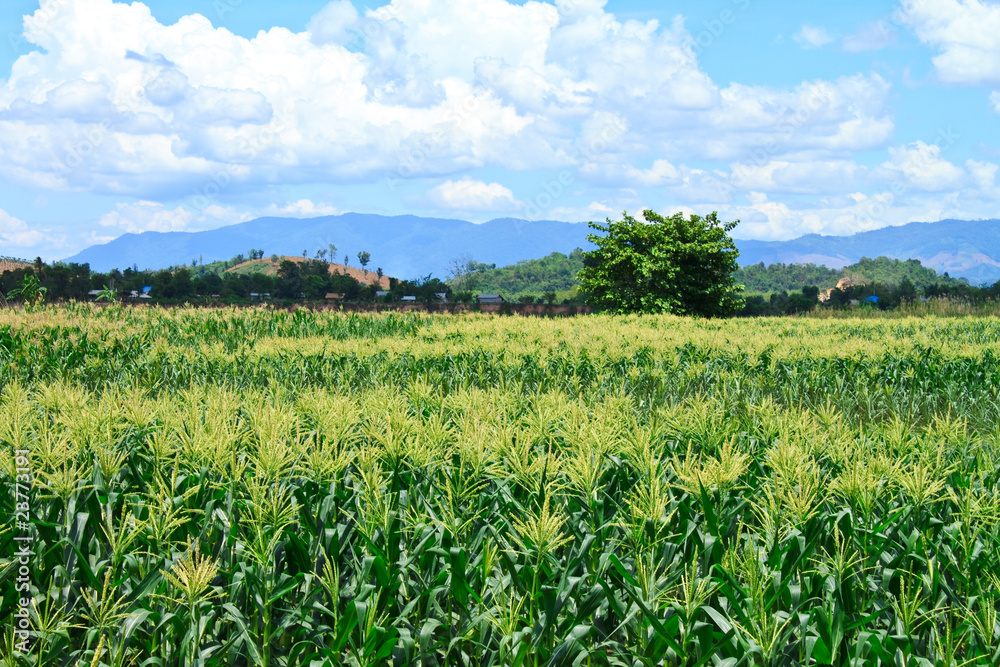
410	247
268	267
11	264
404	246
963	248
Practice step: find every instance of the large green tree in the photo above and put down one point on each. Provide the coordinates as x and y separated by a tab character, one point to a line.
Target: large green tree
663	265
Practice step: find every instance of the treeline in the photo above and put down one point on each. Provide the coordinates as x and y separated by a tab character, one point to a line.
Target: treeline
785	277
554	274
883	283
883	296
775	289
758	278
309	279
558	273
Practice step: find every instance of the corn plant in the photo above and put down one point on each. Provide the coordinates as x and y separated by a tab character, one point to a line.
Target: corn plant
258	487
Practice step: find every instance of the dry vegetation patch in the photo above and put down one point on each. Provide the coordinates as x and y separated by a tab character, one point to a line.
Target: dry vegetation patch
269	267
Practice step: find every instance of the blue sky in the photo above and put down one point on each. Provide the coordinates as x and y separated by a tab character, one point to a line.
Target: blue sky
805	117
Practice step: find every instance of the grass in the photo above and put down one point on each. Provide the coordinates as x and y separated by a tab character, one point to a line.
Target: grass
257	487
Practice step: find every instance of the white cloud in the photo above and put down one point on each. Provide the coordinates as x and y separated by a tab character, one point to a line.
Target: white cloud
472	195
116	102
967	34
430	89
765	219
214	215
921	166
811	37
804	176
334	23
595	211
762	218
149	216
847	114
983	175
303	208
15	234
661	173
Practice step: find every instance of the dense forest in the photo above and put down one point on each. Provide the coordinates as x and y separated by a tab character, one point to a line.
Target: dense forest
777	289
554	274
757	278
558	273
310	279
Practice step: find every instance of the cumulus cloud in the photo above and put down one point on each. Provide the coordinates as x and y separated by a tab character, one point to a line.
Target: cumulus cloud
803	176
661	173
303	208
762	218
812	37
468	194
15	234
995	100
130	106
983	175
965	32
334	23
113	101
921	166
593	212
150	216
147	216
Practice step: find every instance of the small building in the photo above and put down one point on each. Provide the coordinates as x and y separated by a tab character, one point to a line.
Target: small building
94	293
381	293
490	298
442	296
334	296
409	298
260	295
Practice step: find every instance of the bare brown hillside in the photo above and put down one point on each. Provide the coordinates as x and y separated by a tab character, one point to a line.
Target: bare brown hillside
270	268
8	265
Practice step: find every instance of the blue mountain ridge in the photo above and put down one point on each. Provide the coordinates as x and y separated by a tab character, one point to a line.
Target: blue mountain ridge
409	246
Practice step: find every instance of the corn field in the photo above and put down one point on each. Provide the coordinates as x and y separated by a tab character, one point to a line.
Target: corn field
258	487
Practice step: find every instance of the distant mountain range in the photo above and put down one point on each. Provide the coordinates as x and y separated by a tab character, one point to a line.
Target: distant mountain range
403	246
963	248
410	247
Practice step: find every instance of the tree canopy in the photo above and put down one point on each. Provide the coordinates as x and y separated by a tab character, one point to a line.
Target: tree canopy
663	264
555	272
